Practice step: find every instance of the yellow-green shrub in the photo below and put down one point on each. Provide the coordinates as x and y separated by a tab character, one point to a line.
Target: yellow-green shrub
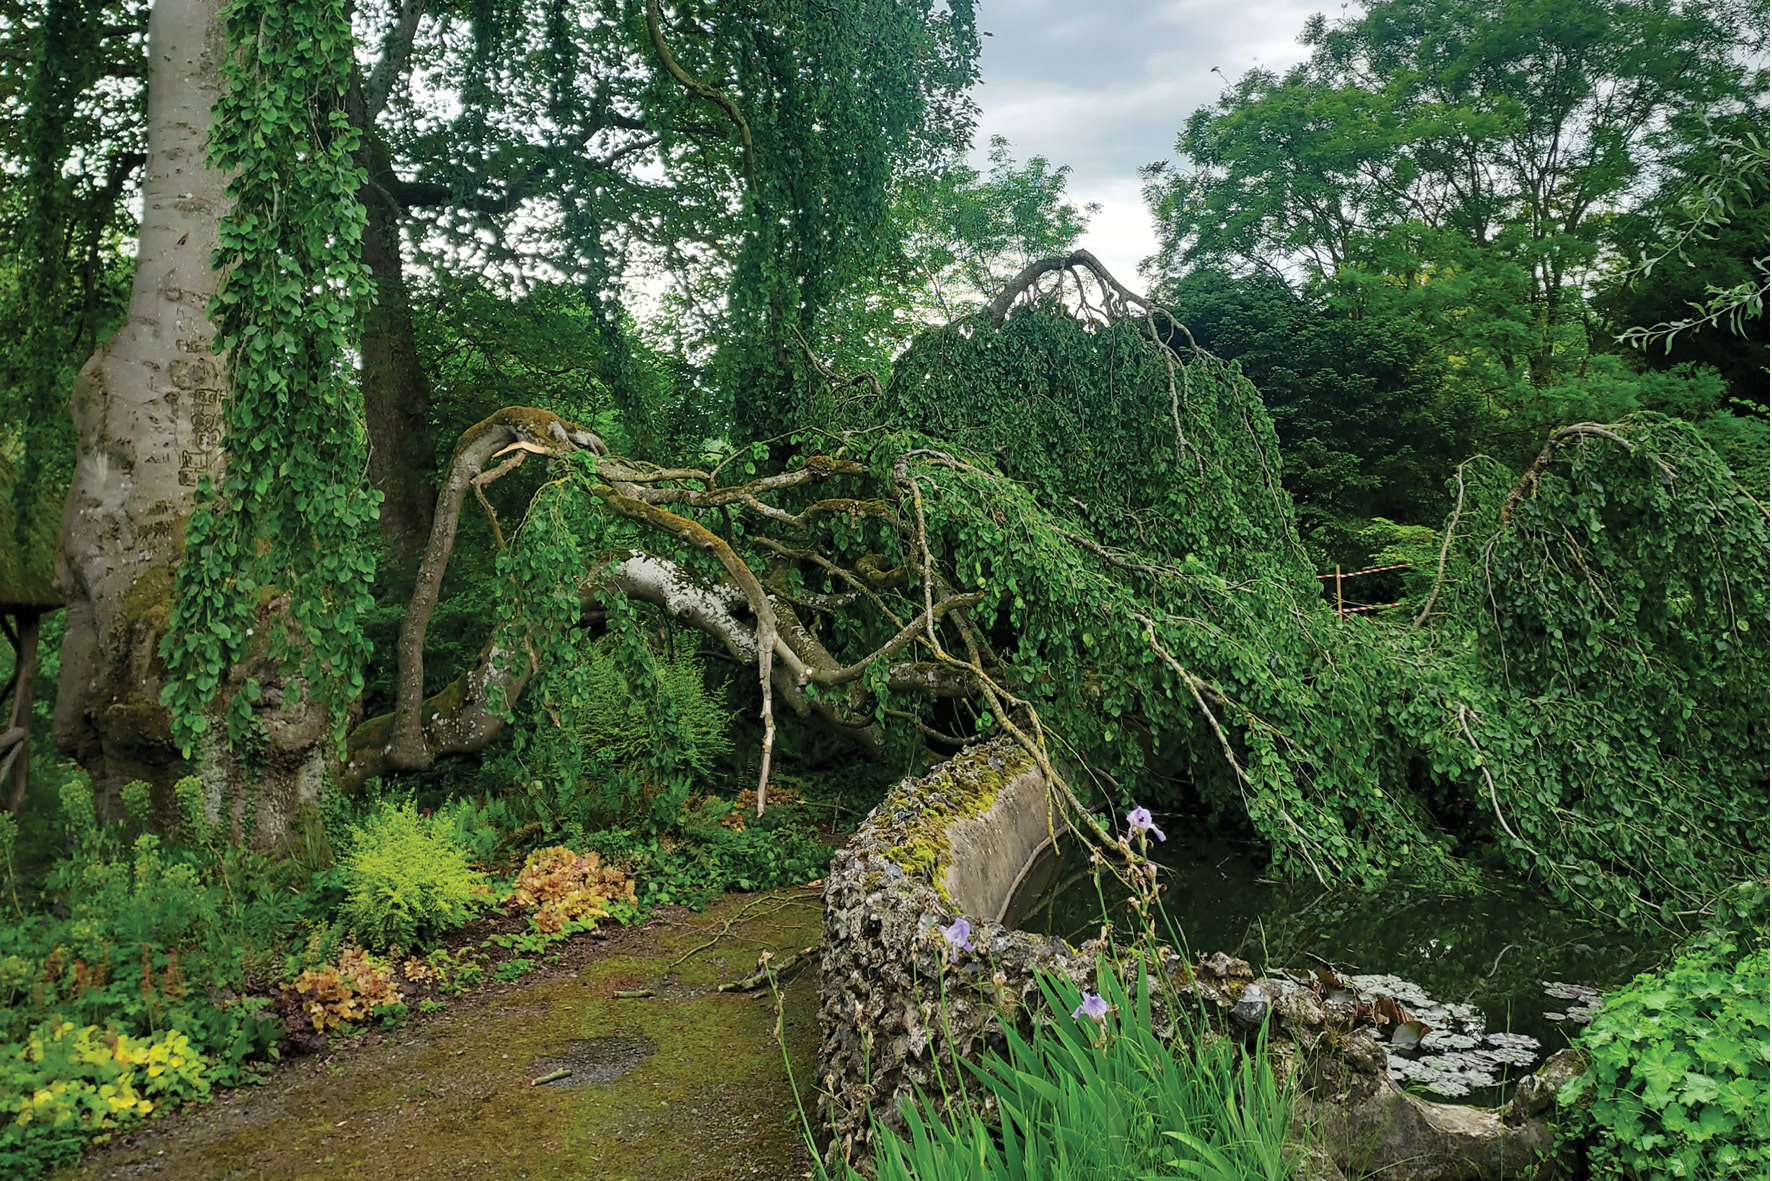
408	878
66	1084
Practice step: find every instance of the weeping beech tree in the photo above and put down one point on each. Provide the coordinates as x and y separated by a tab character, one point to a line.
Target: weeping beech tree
1061	520
1058	519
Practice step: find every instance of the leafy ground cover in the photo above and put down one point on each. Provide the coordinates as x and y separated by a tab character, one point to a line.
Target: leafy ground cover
1677	1085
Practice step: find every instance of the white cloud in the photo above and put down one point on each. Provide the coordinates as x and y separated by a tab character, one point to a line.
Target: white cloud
1105	87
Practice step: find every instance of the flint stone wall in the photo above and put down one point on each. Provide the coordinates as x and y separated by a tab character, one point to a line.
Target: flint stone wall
898	1004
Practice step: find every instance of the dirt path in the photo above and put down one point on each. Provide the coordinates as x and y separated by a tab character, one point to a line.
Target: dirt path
683	1085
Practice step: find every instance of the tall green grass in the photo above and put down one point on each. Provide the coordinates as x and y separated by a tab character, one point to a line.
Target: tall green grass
1089	1101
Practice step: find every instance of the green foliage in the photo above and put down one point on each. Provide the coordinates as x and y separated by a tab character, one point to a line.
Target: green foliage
63	1085
1703	234
963	236
512	969
407	878
1733	190
1609	641
1192	530
708	860
8	841
816	213
109	987
1368	418
1587	678
79	816
1404	172
620	729
1677	1081
1085	1100
71	146
276	569
618	721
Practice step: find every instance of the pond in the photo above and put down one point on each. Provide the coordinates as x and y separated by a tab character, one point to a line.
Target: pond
1501	977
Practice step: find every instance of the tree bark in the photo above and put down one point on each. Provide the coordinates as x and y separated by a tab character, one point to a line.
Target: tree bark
396	391
16	741
147	417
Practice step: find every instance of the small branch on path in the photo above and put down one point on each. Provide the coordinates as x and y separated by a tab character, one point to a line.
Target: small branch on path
767	970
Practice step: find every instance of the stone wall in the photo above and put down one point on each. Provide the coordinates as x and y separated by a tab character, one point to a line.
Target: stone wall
899	1003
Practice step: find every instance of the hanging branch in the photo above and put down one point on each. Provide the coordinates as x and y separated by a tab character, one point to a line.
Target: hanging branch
1445	546
695	86
1198	689
1483	766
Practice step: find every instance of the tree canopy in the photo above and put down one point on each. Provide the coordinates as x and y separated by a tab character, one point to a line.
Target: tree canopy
879	435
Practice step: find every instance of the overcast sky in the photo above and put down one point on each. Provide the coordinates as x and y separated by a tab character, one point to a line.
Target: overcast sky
1105	85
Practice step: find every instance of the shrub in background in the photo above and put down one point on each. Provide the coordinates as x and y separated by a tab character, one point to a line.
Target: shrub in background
674	719
407	880
141	935
1677	1085
623	733
707	860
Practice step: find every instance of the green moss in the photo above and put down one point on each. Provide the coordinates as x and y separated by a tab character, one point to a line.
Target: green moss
527	420
140	717
450	1097
371	735
148	601
962	788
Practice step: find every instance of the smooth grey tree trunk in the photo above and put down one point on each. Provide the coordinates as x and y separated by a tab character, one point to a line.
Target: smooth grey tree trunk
147	417
147	412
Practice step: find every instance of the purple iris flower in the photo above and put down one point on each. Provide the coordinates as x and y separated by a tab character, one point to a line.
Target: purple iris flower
1140	819
1093	1007
959	937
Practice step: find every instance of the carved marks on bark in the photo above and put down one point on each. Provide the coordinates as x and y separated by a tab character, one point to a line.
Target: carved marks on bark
197	377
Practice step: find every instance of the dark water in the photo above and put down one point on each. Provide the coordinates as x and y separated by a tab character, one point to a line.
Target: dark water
1502	976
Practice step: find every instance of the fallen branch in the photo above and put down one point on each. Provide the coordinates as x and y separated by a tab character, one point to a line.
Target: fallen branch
1581	430
765	972
728	924
1122	295
1198	688
1445	546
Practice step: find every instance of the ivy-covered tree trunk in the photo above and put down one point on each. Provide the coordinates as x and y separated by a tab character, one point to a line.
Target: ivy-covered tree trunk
265	643
147	413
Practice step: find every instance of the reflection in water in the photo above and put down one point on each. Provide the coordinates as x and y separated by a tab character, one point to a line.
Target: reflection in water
1501	976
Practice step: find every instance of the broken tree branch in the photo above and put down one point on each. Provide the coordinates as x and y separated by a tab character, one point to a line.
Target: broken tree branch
1445	546
1559	439
1198	689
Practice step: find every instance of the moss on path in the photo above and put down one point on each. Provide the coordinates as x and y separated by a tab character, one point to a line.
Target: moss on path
685	1084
